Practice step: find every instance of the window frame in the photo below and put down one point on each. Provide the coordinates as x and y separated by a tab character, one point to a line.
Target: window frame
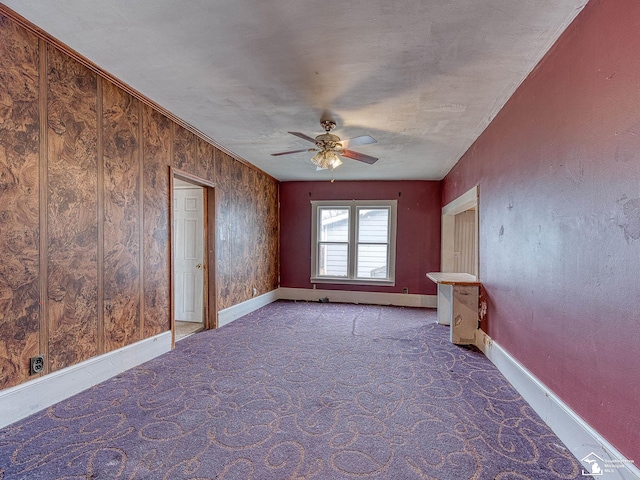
352	249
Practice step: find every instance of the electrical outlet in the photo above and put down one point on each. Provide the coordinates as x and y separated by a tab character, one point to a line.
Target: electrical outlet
405	290
255	291
37	364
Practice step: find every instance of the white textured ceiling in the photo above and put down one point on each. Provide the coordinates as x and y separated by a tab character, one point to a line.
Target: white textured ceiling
423	77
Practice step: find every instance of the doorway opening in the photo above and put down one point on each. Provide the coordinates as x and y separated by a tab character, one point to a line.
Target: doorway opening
192	253
460	252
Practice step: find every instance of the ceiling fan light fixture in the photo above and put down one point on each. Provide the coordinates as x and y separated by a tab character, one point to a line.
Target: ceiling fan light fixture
318	160
336	162
325	159
329	147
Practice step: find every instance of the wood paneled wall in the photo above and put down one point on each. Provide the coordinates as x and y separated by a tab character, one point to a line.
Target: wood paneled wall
157	155
121	222
247	226
19	200
71	212
84	210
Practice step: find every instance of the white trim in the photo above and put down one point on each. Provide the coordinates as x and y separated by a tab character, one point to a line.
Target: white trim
373	298
352	242
35	395
234	312
464	202
352	281
230	314
574	432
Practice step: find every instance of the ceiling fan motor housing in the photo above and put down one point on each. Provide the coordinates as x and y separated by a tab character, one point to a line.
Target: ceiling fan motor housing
327	141
328	125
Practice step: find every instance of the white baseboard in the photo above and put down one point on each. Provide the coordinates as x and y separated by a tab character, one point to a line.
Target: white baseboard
30	397
230	314
574	432
373	298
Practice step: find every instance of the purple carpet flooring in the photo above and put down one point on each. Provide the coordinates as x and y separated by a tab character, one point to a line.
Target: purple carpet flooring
297	391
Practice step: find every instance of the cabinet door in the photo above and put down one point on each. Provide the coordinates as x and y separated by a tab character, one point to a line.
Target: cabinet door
464	315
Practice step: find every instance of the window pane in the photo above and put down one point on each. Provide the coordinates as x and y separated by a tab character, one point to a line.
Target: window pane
373	225
334	225
372	261
333	259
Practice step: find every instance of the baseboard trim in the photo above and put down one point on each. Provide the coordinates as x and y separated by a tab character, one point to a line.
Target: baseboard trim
373	298
35	395
230	314
576	434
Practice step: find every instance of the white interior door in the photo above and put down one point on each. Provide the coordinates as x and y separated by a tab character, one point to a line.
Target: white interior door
189	266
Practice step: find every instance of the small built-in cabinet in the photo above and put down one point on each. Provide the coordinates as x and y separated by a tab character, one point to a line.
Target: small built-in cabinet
458	297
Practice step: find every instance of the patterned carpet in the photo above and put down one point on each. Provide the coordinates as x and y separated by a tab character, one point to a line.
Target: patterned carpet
297	391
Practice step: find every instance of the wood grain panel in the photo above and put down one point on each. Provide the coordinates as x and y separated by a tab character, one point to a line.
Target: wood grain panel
72	283
19	202
223	194
223	166
244	249
157	150
247	232
266	270
121	150
205	160
184	150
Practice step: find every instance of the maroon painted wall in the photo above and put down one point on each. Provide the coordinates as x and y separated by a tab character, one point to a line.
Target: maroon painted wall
418	230
559	177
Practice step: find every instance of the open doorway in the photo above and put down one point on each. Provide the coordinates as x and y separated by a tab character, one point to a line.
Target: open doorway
188	258
460	250
192	253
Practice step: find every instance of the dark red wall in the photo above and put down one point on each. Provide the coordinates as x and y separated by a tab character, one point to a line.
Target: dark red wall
559	177
418	230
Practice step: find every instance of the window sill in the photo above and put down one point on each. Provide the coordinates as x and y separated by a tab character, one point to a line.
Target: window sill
354	281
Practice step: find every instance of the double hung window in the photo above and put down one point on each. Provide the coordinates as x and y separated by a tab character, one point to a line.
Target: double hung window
353	242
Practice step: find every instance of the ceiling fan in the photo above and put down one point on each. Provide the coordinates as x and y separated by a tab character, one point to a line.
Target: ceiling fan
329	148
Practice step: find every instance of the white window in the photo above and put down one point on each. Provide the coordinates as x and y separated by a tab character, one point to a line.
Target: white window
353	241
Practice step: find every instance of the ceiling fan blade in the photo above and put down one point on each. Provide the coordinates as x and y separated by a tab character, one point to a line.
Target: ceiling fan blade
293	151
357	141
303	136
359	156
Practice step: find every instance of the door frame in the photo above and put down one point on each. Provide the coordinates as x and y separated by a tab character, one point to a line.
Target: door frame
209	200
464	202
